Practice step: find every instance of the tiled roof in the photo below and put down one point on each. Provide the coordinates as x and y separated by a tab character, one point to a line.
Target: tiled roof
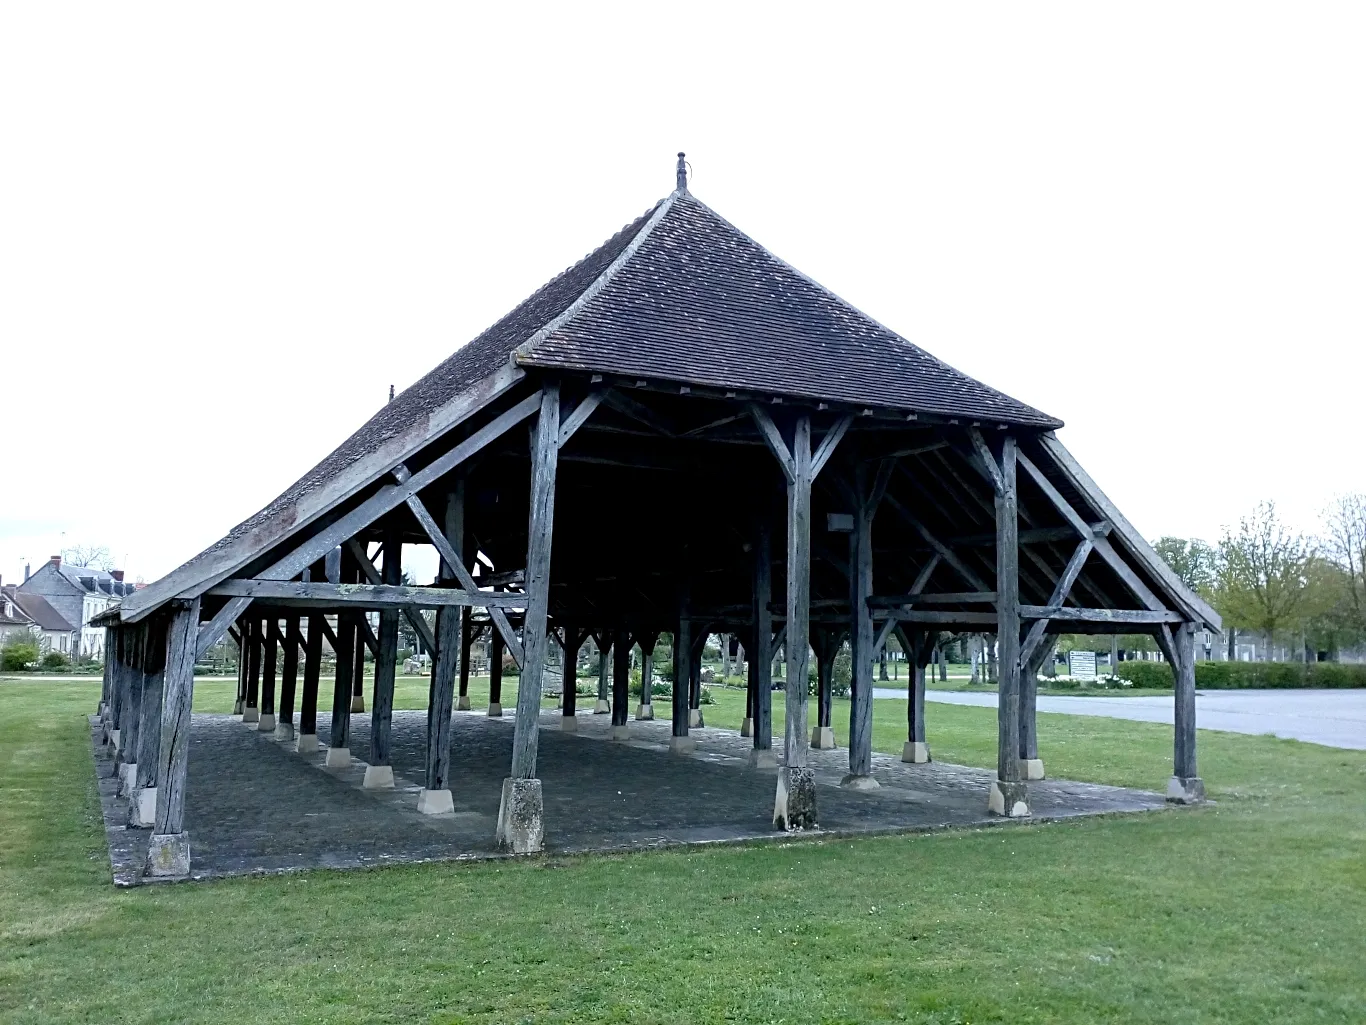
36	607
698	301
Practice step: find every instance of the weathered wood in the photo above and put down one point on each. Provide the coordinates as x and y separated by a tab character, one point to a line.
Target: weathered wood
579	417
1036	535
1184	765
344	646
545	449
365	638
682	648
1008	616
761	633
941	549
1138	617
647	640
289	674
621	676
177	700
699	641
933	598
773	438
915	645
1060	592
412	615
311	594
827	446
987	461
269	662
861	640
243	646
134	679
940	617
153	683
569	647
254	640
466	639
441	696
212	631
796	787
495	671
826	644
386	661
313	660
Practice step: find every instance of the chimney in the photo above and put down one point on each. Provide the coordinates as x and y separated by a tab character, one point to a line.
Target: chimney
27	574
56	561
117	574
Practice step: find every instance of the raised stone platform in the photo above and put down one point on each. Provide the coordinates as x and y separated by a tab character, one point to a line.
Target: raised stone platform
256	806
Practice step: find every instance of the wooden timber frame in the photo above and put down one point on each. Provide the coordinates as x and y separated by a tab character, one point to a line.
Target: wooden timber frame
852	518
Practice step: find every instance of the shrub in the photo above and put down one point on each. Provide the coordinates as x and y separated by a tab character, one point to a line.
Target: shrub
705	698
18	655
1244	675
55	660
1148	674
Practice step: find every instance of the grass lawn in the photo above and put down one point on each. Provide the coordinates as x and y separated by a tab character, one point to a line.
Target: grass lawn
1251	910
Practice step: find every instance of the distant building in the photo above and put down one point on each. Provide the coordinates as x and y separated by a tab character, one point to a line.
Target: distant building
78	593
32	615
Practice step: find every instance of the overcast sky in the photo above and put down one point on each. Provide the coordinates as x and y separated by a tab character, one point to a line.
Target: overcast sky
225	232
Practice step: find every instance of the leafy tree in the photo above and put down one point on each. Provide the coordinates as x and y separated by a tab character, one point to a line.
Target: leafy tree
1263	581
1345	545
1193	561
18	654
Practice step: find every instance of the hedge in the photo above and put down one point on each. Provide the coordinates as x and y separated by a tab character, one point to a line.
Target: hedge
1244	675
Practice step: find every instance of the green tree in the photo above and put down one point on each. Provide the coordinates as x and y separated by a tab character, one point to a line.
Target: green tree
1345	545
1262	579
1193	561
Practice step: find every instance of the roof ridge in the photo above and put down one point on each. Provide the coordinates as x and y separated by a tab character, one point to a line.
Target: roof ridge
599	283
855	310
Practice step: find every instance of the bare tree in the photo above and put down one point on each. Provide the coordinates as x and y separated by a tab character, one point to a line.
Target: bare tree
1345	544
92	556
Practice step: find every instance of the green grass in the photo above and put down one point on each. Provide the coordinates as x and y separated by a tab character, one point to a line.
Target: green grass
1251	910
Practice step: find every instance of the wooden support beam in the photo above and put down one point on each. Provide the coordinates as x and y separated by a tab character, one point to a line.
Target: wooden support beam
372	574
1060	592
579	417
863	648
1038	535
308	594
969	621
1008	616
142	802
761	641
943	550
795	804
621	678
168	853
269	662
212	632
1187	786
933	598
380	772
308	705
289	677
827	446
773	438
629	407
1138	617
253	708
987	461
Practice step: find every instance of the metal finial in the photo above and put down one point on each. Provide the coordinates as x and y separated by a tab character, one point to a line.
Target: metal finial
391	393
682	173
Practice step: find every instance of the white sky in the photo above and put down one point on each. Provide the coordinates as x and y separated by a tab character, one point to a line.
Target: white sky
225	231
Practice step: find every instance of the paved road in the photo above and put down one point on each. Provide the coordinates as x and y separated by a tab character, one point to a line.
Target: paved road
1336	718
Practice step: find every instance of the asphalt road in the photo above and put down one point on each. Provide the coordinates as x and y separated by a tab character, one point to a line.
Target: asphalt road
1335	718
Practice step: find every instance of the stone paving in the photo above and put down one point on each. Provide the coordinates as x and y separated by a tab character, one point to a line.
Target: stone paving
256	806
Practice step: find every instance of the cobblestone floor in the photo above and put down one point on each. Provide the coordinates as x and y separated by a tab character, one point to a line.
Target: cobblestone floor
254	805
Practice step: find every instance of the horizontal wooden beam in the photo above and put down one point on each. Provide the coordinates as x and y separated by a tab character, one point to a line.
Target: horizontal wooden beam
372	574
945	618
312	594
931	598
1039	535
1148	617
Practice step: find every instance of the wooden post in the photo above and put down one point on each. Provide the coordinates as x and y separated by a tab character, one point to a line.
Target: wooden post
168	853
794	805
269	661
451	655
680	740
466	638
621	683
142	800
1186	786
495	674
379	773
102	710
308	707
573	641
243	648
761	654
1008	794
338	751
361	621
861	639
603	640
131	713
826	644
699	642
289	679
251	714
521	822
647	640
751	688
918	654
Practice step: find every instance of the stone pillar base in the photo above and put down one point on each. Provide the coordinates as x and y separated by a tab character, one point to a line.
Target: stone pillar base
694	717
763	758
521	816
1009	799
462	703
622	732
168	856
794	806
142	808
434	802
645	712
128	778
251	715
284	731
266	724
682	745
358	702
823	737
378	777
853	782
114	743
603	707
495	709
338	757
307	743
747	726
237	707
917	752
1031	768
569	723
1185	790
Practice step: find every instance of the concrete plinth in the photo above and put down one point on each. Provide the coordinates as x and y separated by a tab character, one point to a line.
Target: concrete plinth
1031	768
622	732
357	702
747	727
682	745
569	723
603	707
794	806
823	737
238	706
114	743
378	777
284	731
338	757
168	856
307	743
694	717
462	703
645	712
1185	790
521	816
435	802
763	758
266	724
1008	799
251	715
142	808
495	709
917	752
128	778
853	782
